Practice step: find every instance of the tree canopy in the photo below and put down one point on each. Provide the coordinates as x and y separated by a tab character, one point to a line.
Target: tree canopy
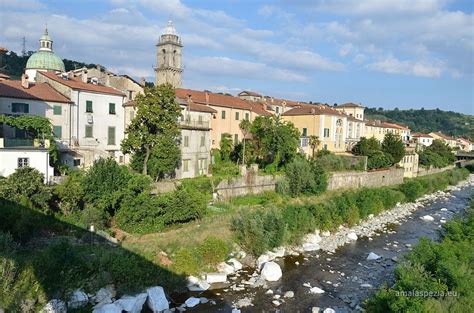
393	146
437	155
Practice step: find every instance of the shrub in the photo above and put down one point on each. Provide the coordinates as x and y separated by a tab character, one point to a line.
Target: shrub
71	192
26	186
186	261
379	159
213	250
305	177
183	205
283	186
299	221
412	189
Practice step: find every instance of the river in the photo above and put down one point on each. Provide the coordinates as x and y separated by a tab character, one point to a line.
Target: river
346	276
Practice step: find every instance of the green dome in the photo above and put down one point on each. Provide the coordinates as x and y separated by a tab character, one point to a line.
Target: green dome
45	60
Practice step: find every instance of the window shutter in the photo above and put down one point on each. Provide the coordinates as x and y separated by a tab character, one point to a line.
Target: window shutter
89	106
111	136
57	131
57	110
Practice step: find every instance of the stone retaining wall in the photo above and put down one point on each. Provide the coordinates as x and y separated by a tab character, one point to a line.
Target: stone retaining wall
423	172
346	180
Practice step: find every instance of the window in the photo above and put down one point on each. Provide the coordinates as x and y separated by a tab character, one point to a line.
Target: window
186	141
57	110
89	132
326	132
247	116
200	119
237	116
325	147
203	141
111	136
111	108
76	162
185	165
277	110
236	139
23	162
223	115
20	107
88	106
305	132
57	131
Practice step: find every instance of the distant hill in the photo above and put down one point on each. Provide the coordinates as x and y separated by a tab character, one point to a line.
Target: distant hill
15	64
425	121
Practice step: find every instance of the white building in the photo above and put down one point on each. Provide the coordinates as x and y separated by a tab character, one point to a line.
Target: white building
422	139
96	118
12	158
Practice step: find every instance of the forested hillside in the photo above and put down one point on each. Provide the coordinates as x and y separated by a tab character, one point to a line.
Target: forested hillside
451	123
15	64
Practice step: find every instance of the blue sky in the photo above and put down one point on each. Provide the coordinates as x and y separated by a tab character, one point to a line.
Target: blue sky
381	53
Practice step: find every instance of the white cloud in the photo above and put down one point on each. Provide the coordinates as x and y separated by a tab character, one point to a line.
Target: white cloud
392	65
21	4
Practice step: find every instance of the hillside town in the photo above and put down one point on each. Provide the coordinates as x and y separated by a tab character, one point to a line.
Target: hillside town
90	109
119	194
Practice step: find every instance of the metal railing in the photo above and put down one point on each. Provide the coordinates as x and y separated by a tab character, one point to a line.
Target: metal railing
194	123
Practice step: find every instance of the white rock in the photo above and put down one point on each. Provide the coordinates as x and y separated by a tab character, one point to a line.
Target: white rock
276	303
77	299
373	256
53	306
312	238
428	218
314	309
326	233
276	297
329	310
235	264
352	236
104	295
289	294
107	308
196	284
203	300
310	247
157	299
264	258
212	278
366	285
444	209
192	302
269	292
225	268
371	216
307	285
316	290
132	304
279	252
442	221
236	311
271	271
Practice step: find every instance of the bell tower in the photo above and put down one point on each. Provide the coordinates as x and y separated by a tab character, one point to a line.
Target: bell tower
168	58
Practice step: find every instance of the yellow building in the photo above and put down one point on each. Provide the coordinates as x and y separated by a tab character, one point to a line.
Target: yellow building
410	163
328	124
230	112
352	109
450	141
374	129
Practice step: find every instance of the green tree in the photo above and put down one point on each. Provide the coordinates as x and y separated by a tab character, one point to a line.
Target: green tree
366	146
394	146
314	143
437	155
155	129
245	127
225	146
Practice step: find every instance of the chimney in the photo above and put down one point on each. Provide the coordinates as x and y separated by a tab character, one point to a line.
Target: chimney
207	97
70	75
142	82
84	75
189	98
24	81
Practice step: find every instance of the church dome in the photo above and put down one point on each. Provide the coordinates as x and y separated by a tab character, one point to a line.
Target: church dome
44	58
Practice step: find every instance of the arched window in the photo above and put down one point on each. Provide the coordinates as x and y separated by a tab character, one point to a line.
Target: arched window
164	56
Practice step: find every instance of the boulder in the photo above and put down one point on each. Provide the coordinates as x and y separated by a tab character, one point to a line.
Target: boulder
329	310
77	299
235	264
157	300
316	290
271	271
279	252
192	302
312	238
276	303
235	310
289	294
212	278
326	233
352	236
225	268
203	300
104	295
427	218
310	247
107	308
53	306
365	285
196	284
132	304
315	309
373	256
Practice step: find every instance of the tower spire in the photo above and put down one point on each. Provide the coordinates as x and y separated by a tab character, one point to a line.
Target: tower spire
168	57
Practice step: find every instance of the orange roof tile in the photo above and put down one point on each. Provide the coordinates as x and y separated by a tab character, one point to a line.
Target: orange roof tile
313	110
192	106
214	99
78	84
38	91
350	105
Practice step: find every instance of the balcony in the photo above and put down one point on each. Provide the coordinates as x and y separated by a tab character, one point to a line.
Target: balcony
17	143
193	124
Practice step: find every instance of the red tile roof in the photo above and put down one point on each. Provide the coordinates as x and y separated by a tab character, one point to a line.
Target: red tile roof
192	106
78	84
4	76
393	125
313	110
249	93
421	135
445	137
214	99
259	108
38	91
350	105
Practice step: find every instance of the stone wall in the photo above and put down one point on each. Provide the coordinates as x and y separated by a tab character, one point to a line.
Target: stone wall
423	171
249	183
346	180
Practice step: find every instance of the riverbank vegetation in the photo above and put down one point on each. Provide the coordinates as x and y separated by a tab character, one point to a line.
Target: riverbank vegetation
437	155
435	276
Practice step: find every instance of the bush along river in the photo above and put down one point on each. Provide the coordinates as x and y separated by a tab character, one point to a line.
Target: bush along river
334	272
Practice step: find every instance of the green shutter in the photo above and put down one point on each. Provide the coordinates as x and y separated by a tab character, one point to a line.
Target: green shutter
223	115
57	110
111	136
247	116
111	108
237	116
57	131
305	132
89	106
89	133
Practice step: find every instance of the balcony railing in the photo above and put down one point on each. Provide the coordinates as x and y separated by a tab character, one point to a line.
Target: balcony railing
9	142
194	124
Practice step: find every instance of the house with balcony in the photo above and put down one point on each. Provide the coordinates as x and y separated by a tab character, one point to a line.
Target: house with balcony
422	140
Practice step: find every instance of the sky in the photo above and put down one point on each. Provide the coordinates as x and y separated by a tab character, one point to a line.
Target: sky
380	53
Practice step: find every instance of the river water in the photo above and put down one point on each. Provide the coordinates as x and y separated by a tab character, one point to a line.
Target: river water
346	276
